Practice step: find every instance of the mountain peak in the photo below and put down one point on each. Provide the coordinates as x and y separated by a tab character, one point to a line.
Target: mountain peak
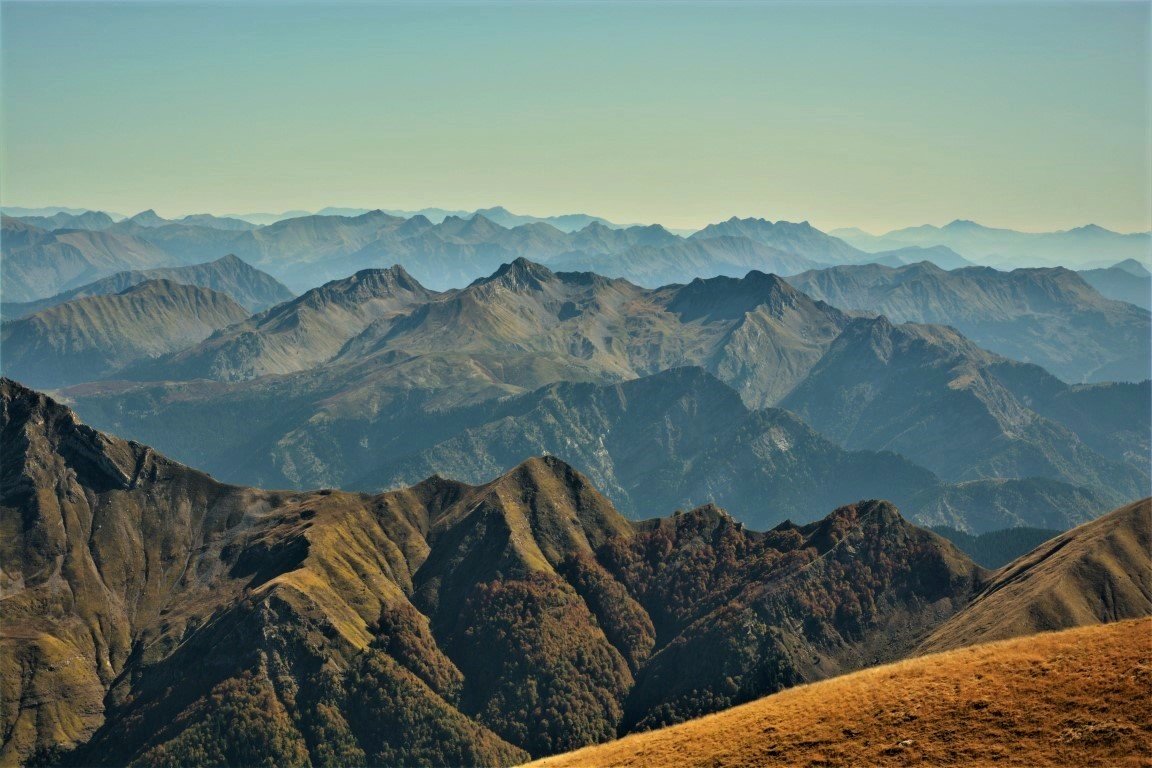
148	218
962	224
521	273
232	260
1132	267
730	297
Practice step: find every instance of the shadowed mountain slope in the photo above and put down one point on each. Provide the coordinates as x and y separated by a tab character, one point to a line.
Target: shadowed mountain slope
522	327
297	334
202	622
1127	281
381	370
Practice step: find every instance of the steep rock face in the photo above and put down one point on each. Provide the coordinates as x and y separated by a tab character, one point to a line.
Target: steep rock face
89	338
1050	317
1097	573
210	623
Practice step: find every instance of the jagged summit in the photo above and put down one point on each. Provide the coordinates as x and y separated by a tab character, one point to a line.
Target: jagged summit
520	273
729	297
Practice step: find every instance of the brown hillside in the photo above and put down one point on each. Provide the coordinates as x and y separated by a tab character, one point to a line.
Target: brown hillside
1094	574
153	616
1079	697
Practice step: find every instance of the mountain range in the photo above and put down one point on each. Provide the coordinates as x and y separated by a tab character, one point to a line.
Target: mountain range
90	337
366	379
154	615
1051	317
1087	246
1126	281
308	250
252	289
37	263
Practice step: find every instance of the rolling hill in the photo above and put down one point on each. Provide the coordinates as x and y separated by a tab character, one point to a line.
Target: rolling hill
1070	698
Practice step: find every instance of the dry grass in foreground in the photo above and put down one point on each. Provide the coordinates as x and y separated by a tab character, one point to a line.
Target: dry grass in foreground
1075	698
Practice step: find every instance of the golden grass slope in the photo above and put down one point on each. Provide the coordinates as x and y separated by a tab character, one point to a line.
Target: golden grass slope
1096	573
1079	697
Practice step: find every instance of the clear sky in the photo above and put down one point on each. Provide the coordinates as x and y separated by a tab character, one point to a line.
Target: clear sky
1030	115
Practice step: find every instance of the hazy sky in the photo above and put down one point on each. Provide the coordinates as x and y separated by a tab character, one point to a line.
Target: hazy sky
1032	115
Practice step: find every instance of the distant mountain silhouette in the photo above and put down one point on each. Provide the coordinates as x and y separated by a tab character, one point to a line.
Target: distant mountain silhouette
88	338
381	381
1050	317
36	263
248	286
1126	281
1073	248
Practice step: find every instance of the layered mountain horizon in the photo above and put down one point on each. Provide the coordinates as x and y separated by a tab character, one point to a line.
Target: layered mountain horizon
466	242
363	381
658	477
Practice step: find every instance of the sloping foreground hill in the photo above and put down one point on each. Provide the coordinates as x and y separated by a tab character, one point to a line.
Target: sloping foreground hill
1096	573
153	616
1078	697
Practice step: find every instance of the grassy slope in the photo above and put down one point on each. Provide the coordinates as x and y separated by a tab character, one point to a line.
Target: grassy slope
1095	573
1078	697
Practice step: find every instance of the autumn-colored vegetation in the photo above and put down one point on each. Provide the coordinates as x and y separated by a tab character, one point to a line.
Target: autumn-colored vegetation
1078	697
